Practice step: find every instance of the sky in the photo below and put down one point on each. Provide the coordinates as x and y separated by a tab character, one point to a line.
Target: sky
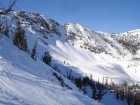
111	16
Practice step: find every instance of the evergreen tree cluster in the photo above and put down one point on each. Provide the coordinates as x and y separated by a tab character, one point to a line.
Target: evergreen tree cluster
60	79
125	92
19	39
98	90
129	93
33	53
47	58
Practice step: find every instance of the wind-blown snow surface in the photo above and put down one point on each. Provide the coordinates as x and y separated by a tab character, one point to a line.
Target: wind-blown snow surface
25	81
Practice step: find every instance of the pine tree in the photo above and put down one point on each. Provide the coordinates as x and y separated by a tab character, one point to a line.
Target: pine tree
16	39
47	58
22	35
117	92
101	92
78	82
84	81
20	38
33	54
24	45
128	96
6	32
23	41
90	80
94	91
98	84
122	94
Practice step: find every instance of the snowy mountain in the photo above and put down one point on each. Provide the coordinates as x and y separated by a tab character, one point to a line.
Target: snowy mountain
76	51
113	54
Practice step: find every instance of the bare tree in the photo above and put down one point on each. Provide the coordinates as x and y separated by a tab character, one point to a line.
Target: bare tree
4	10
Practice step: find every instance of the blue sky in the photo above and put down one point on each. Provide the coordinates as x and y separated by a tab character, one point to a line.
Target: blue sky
112	16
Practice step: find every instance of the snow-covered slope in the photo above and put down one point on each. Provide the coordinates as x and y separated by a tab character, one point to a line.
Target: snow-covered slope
24	81
73	47
109	57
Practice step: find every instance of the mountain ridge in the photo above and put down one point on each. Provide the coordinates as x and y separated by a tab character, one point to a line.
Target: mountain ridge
74	48
52	33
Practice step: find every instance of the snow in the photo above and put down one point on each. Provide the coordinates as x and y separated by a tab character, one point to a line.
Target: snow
28	82
110	99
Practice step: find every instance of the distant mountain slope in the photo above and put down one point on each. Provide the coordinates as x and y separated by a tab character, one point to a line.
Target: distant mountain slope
112	49
96	41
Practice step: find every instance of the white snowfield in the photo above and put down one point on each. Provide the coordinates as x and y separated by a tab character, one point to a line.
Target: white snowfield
24	81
